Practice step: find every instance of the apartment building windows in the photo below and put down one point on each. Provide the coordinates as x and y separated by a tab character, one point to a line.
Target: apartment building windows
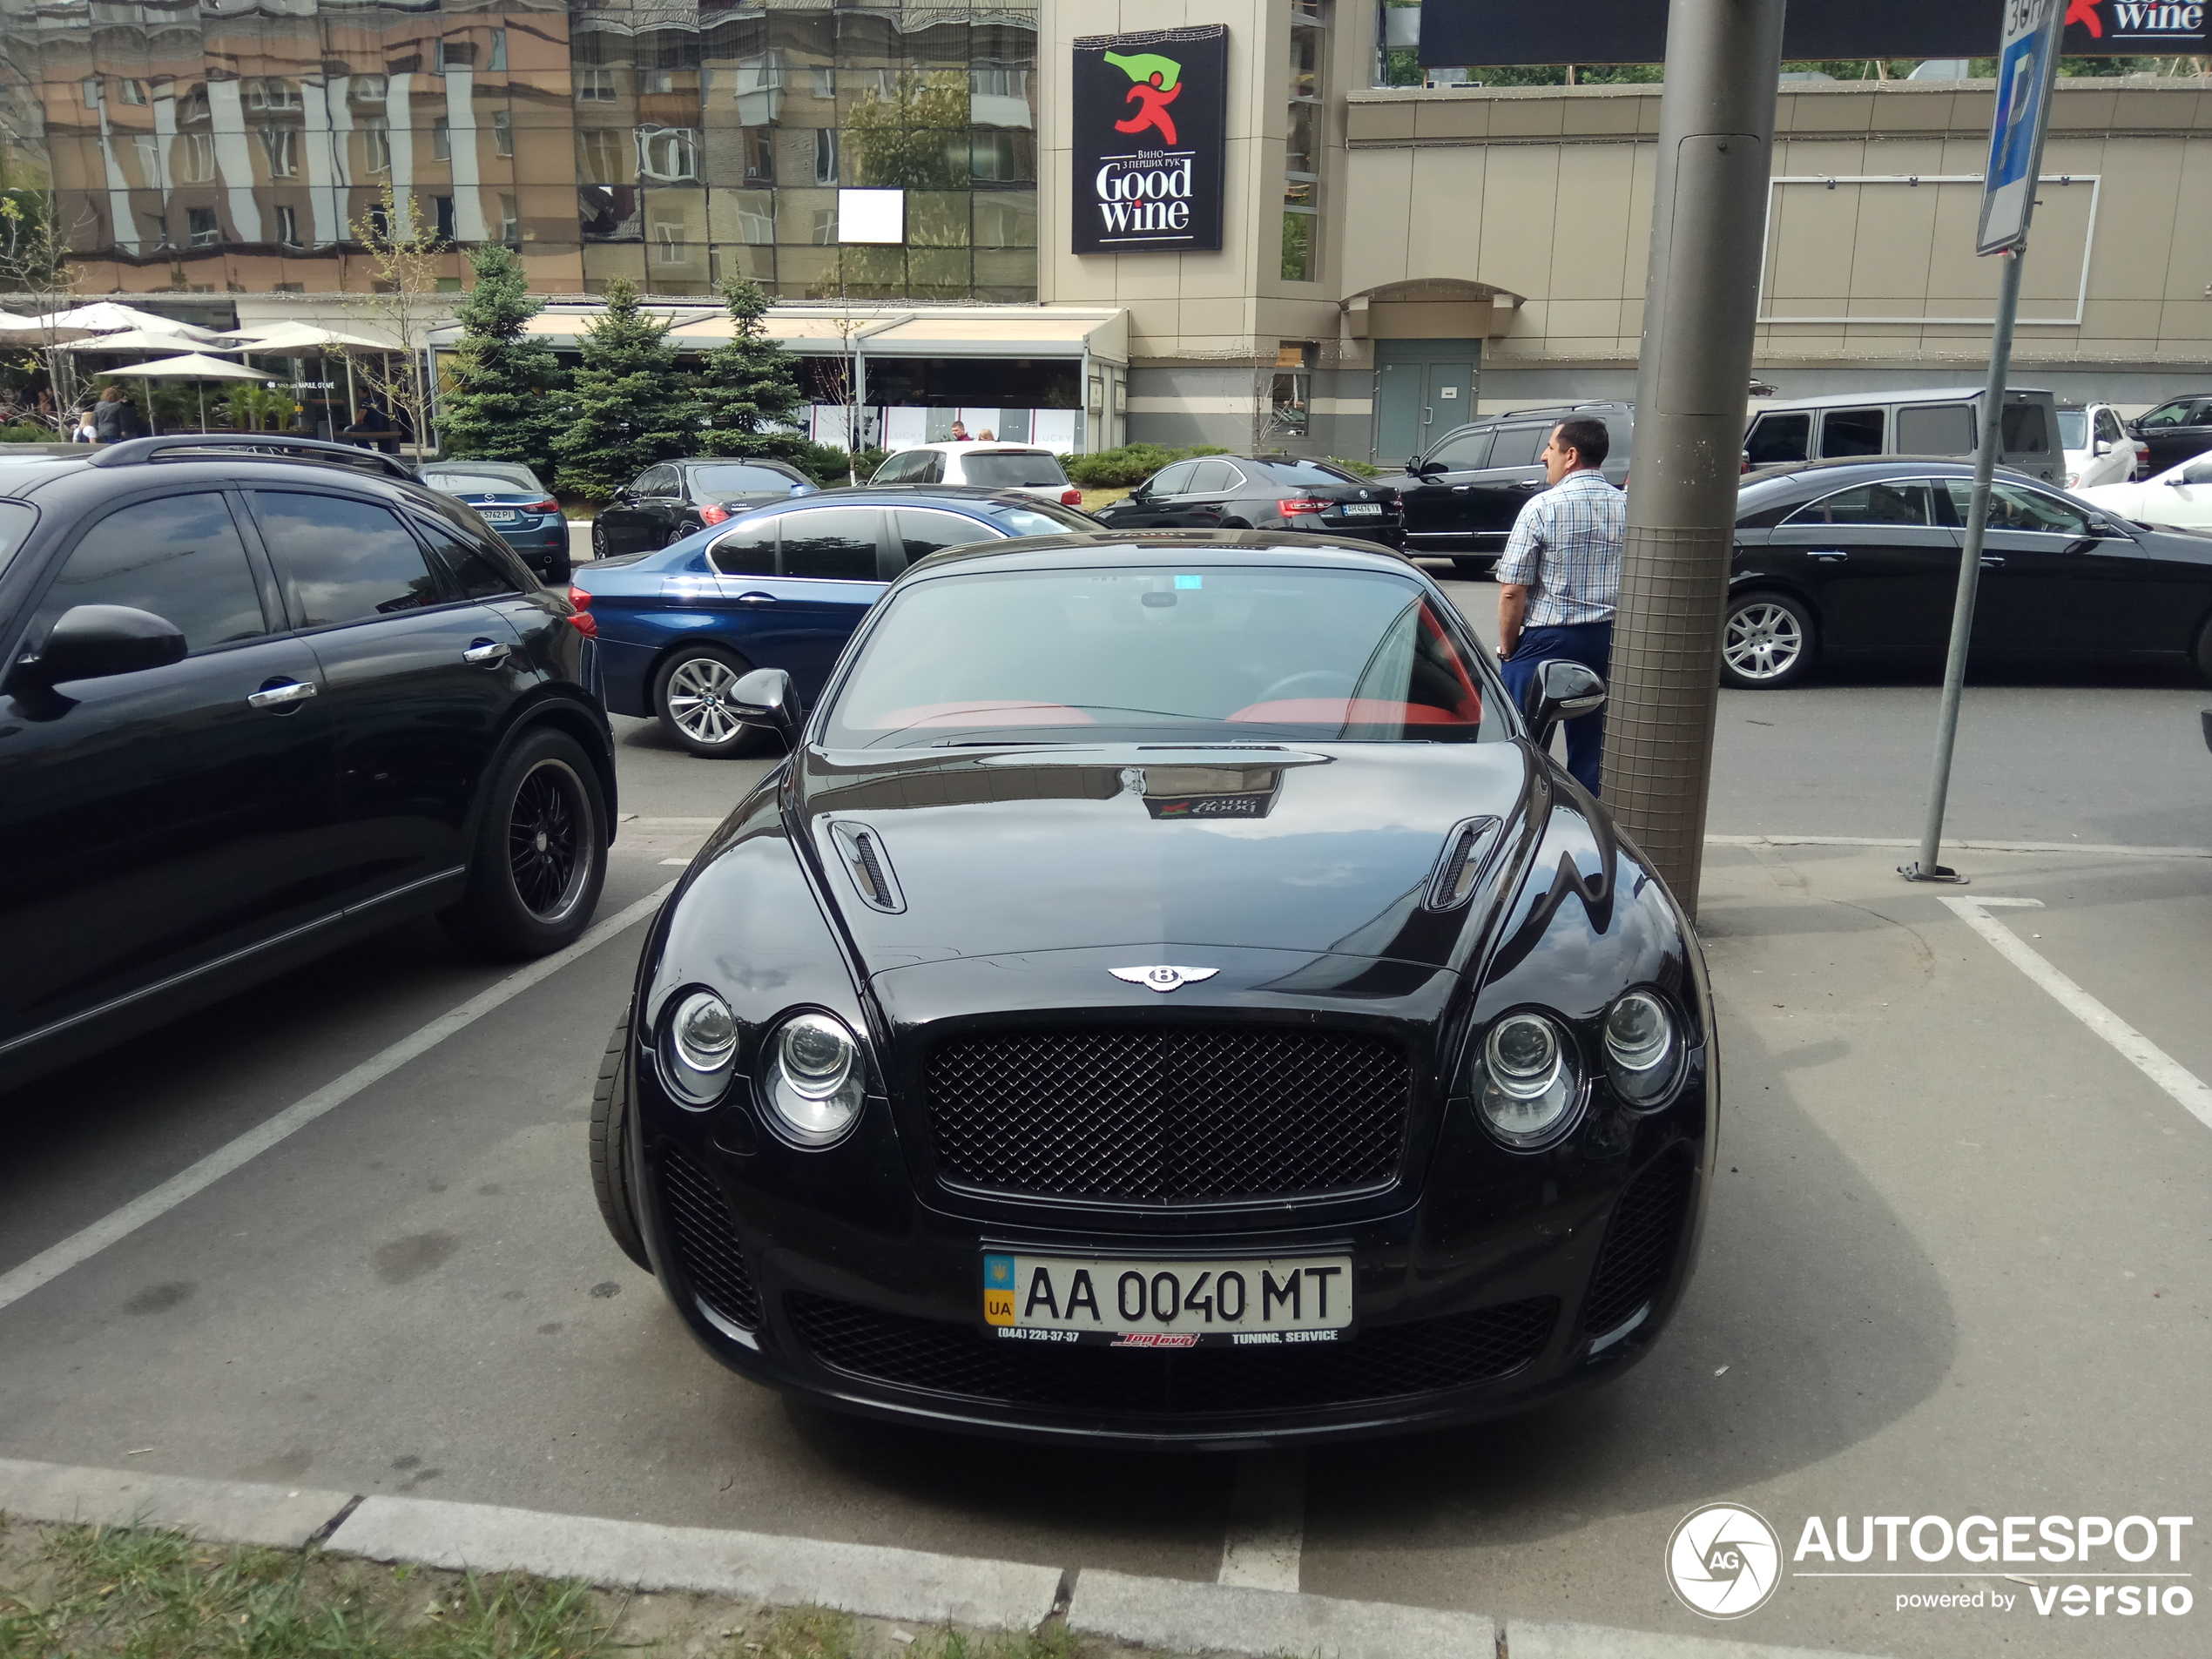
510	222
281	146
502	132
441	216
202	228
368	89
90	90
668	155
441	140
455	54
376	144
133	92
192	160
606	155
594	85
265	94
498	53
286	226
1302	142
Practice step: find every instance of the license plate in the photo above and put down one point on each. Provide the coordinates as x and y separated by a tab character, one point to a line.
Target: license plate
1262	1302
500	515
1362	510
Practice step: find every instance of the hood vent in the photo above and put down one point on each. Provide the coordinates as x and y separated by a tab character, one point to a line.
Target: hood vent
1466	849
865	860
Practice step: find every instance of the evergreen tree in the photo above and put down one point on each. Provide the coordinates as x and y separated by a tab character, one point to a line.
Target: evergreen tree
629	408
750	385
503	404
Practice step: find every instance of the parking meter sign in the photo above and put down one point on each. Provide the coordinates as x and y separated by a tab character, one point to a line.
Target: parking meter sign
2026	58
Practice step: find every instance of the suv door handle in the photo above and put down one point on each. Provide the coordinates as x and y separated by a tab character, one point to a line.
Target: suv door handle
1462	488
485	653
1992	561
280	695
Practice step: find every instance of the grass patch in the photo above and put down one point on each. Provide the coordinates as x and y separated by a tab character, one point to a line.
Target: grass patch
71	1592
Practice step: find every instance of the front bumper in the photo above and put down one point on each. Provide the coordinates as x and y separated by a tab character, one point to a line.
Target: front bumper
826	1275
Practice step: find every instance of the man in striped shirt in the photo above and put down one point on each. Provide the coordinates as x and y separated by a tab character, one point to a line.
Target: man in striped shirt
1560	576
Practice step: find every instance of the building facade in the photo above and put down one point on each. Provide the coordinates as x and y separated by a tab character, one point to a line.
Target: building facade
1393	257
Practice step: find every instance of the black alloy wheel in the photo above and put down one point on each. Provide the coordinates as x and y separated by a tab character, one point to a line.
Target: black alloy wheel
541	853
598	540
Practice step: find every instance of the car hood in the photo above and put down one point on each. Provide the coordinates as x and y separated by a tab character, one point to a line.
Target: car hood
1152	850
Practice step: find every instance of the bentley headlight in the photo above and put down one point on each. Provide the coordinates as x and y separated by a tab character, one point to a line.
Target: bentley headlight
1530	1087
700	1049
1642	1049
812	1079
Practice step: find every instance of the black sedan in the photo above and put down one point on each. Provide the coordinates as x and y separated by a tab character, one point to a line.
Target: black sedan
510	498
667	503
1167	996
265	696
1259	492
1841	559
2177	430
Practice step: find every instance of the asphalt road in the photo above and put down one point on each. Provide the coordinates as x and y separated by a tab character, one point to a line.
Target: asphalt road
1957	1262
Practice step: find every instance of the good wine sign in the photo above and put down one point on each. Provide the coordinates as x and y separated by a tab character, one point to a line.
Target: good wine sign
1150	115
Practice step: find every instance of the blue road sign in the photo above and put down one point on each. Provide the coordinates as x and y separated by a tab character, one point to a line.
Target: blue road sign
2026	59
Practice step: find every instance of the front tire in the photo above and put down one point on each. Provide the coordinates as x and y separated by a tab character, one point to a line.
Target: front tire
541	852
598	540
1767	642
1474	569
612	1182
690	695
2203	654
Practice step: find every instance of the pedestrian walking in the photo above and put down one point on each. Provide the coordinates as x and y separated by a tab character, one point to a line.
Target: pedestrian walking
1561	576
115	417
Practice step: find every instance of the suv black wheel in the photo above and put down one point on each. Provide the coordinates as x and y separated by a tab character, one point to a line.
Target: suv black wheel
612	1183
598	540
1766	643
541	852
690	695
1474	568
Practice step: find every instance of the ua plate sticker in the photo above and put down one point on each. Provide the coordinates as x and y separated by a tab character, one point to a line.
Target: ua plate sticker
1268	1302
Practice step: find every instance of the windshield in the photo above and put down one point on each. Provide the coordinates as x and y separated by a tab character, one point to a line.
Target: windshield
1040	518
739	481
1233	654
2074	429
1008	469
482	483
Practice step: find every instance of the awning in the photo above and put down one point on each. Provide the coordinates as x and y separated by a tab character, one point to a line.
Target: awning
885	329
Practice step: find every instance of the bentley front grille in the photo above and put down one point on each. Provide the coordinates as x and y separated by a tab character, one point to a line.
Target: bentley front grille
1168	1114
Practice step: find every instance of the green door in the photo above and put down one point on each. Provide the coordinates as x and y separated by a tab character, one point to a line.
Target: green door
1423	389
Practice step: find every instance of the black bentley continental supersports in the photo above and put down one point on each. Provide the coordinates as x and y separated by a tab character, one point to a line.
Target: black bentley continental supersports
1167	996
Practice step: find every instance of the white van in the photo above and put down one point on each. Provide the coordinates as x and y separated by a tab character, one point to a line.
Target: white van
1941	422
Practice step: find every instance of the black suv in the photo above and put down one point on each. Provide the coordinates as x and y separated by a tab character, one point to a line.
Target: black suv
2177	430
1461	496
261	696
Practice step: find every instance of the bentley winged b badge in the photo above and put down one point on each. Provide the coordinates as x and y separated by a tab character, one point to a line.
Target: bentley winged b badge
1163	978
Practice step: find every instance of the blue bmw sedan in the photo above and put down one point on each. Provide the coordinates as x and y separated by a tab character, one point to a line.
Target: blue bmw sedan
783	586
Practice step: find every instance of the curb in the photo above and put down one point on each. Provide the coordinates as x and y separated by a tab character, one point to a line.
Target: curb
871	1580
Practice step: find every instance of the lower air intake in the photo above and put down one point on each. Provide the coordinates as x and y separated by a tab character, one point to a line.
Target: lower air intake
1641	1241
706	1244
1390	1362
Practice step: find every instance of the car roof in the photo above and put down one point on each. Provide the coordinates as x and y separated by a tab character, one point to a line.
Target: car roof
196	466
1844	469
980	446
1909	395
928	495
1165	549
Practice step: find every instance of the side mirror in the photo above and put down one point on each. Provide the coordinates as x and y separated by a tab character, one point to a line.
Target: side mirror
623	498
766	696
1425	469
2102	447
92	642
1560	691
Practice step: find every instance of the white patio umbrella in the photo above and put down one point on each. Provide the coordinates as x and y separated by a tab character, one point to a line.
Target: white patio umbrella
301	337
144	339
11	327
107	317
193	366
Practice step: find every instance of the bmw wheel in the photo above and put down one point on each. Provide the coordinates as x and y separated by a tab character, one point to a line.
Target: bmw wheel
541	853
1766	643
598	540
691	697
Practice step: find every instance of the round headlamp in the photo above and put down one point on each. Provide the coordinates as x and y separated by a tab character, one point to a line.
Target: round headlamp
812	1079
1529	1085
1642	1049
698	1049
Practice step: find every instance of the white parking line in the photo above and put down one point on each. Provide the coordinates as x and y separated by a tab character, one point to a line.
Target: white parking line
117	1225
2139	1050
1266	1522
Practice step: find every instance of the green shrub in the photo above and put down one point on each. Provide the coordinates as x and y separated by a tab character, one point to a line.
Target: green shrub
29	432
826	464
1130	465
1362	468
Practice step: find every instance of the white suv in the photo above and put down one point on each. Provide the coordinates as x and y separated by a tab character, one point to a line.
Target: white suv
1020	469
2098	448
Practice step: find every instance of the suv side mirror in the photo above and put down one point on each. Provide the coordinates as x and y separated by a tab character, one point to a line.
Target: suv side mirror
2102	447
92	642
1560	689
766	696
1425	469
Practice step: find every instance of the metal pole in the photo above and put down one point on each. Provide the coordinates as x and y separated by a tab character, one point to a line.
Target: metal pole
1708	237
1992	415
